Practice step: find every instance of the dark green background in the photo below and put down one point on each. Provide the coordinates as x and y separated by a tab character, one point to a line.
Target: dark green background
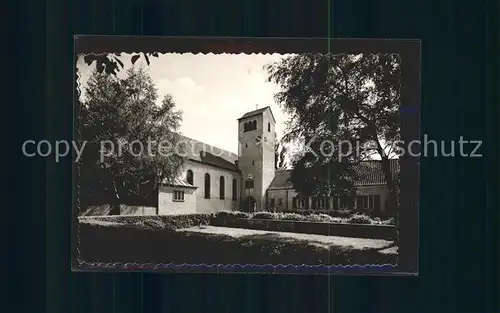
458	214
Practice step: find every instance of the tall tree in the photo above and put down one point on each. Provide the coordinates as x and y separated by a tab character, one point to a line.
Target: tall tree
122	117
112	64
333	99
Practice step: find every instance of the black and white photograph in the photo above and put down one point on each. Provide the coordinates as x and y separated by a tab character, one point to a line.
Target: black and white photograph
234	159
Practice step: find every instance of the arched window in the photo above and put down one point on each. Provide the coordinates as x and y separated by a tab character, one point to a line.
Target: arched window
245	127
221	187
254	125
235	190
269	127
189	177
207	186
246	145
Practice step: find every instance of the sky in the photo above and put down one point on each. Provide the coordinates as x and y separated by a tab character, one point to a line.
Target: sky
211	90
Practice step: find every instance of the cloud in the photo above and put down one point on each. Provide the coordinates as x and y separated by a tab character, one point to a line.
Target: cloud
213	91
184	90
189	84
182	85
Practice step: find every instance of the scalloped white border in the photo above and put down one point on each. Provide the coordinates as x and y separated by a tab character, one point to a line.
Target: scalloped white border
83	265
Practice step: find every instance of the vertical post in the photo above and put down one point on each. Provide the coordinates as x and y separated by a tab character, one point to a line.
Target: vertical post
286	201
247	186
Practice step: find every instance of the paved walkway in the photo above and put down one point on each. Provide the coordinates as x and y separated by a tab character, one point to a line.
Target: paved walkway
320	240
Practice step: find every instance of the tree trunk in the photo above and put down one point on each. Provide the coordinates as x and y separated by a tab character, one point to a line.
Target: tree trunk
392	202
115	206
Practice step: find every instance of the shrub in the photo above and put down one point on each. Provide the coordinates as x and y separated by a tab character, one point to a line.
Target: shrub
341	213
358	218
338	220
242	215
391	221
320	218
265	215
151	222
293	211
232	214
292	217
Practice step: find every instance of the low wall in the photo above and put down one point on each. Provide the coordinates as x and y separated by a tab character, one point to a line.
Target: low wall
386	232
137	210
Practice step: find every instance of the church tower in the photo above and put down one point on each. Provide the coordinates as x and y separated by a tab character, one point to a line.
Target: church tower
256	159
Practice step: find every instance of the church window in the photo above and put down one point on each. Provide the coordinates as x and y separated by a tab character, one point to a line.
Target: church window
246	145
221	187
253	162
321	202
178	196
207	186
250	125
189	177
235	189
269	127
336	203
314	203
365	202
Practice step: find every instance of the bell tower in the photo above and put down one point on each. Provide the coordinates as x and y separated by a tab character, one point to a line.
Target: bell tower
256	139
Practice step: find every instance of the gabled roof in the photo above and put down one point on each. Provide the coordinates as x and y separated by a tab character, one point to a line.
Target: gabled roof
257	112
178	182
201	152
210	159
369	172
281	180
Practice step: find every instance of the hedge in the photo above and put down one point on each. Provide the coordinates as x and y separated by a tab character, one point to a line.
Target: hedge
151	222
352	218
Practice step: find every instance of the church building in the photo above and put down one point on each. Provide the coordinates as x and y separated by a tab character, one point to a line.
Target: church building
217	180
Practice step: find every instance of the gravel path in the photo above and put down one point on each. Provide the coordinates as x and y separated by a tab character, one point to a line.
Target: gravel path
320	240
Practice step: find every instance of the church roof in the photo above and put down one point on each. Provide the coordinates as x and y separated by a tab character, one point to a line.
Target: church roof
257	112
281	180
201	152
369	172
